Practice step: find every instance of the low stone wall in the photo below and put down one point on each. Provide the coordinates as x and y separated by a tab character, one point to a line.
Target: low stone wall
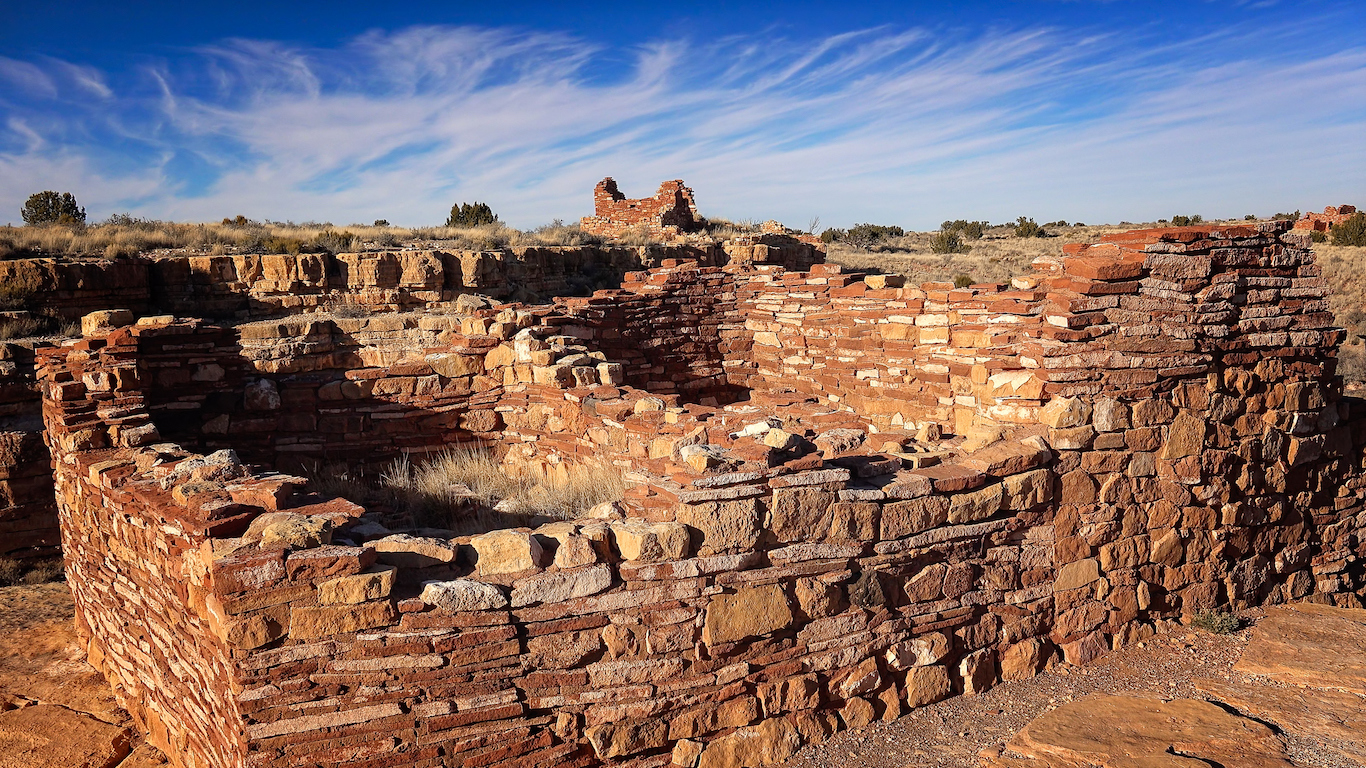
28	511
271	285
784	565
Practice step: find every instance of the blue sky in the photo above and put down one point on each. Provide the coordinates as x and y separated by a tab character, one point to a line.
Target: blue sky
896	113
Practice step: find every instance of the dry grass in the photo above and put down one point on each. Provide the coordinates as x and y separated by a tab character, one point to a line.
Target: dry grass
467	489
123	236
15	572
1344	268
994	258
446	484
20	328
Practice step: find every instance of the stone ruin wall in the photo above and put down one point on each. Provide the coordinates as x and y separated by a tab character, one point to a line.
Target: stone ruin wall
671	211
1175	438
1332	216
28	511
248	287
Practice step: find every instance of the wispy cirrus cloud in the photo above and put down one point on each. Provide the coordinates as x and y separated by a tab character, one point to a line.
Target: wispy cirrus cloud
892	125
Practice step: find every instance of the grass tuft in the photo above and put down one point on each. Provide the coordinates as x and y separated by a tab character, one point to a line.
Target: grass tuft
441	489
15	572
1216	622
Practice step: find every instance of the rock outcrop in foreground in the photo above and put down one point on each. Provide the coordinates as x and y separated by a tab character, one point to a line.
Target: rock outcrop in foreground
851	497
1306	676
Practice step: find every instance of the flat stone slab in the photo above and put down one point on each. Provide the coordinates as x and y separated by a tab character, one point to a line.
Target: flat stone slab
1337	718
47	736
1310	644
1133	732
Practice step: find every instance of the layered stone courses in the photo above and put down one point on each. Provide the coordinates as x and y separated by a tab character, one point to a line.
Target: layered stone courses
671	211
1143	428
1322	222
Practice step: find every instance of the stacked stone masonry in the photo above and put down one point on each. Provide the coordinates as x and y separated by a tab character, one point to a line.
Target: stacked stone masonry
1332	216
850	498
671	211
380	297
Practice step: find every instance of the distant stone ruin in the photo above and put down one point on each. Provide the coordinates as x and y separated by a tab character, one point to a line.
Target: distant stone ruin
1331	217
670	212
850	497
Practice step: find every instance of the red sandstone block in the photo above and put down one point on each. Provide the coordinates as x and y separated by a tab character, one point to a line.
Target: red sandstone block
328	561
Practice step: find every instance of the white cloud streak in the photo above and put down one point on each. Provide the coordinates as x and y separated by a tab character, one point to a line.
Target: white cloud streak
893	126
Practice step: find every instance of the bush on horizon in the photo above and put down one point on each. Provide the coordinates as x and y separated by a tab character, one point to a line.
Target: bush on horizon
471	215
50	207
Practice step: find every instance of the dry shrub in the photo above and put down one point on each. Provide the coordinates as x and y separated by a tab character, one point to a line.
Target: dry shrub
122	235
20	328
15	572
637	236
1216	622
1344	269
440	489
45	571
559	233
11	572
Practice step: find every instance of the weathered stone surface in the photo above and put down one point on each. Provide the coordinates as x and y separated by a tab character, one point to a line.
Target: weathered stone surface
1077	575
461	595
306	622
726	526
772	742
1337	719
926	685
561	585
977	670
407	551
1126	731
1027	490
1064	412
503	552
796	514
1310	644
289	530
1022	660
919	651
47	736
375	583
611	740
649	542
104	321
750	612
1185	437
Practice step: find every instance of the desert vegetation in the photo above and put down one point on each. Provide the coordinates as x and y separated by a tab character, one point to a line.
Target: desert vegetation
1344	267
15	572
974	249
123	236
464	486
52	208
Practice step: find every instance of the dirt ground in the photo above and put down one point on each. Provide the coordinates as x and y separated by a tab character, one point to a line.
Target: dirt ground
960	732
56	711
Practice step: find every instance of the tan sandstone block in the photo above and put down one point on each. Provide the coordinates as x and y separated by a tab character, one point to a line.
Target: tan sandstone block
1185	437
926	685
750	612
977	505
1077	575
1064	412
104	321
373	584
308	622
649	542
507	552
